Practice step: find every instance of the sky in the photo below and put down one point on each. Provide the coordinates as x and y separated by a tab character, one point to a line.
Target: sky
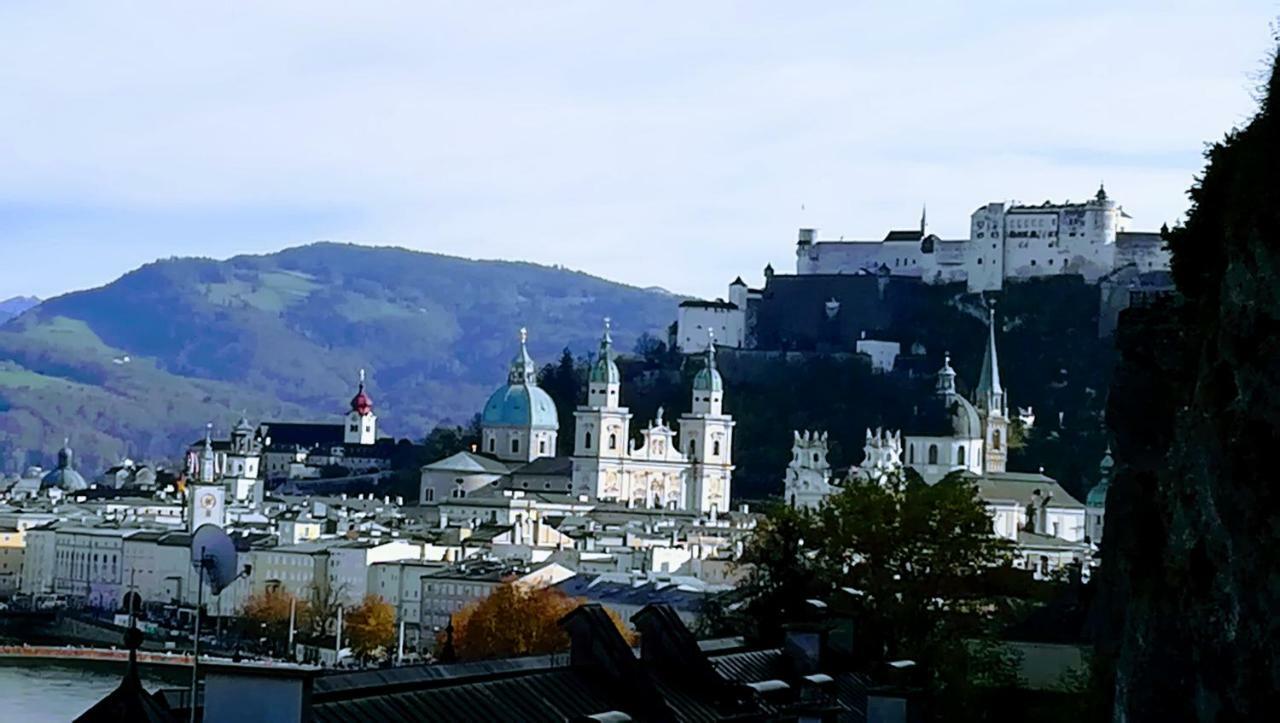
672	144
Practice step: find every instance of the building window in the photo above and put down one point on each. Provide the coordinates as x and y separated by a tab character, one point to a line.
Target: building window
492	444
911	454
515	445
995	439
586	440
613	441
693	447
960	455
355	428
715	448
542	446
933	454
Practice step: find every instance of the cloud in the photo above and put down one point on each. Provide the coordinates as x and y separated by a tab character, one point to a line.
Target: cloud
659	144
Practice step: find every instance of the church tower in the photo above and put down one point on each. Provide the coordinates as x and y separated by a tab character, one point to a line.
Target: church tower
808	480
993	408
362	424
601	429
206	496
706	433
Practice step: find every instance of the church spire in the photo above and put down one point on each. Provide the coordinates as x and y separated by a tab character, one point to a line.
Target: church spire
946	376
523	370
990	393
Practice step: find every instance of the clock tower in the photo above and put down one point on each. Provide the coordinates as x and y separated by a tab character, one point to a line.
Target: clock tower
206	497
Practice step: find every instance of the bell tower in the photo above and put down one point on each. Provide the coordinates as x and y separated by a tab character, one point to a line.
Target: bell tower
993	408
706	434
362	424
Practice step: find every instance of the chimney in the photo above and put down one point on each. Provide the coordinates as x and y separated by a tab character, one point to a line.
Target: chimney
802	645
595	644
897	699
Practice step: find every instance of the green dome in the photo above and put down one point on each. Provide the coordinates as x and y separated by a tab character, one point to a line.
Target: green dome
520	405
1098	495
708	380
605	370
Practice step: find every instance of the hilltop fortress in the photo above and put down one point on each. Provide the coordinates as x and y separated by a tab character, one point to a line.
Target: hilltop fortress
1008	242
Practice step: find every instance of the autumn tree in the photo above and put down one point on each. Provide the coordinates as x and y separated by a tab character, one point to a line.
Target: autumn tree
518	620
268	612
370	627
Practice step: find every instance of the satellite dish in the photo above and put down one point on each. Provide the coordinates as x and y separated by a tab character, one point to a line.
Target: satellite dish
214	554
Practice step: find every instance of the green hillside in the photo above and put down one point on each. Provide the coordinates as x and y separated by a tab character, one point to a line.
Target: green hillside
138	366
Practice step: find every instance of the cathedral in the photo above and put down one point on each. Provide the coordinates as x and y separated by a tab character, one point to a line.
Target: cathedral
688	470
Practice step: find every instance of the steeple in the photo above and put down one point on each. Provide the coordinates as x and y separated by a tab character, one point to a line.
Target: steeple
361	404
523	370
604	382
708	385
946	377
990	394
208	463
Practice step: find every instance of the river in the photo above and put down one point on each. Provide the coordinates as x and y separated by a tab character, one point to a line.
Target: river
49	692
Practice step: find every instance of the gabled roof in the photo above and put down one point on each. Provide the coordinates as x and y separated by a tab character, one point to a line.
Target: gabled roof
469	462
1020	488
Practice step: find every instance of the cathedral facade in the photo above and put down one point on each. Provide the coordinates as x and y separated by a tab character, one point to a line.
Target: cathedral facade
687	470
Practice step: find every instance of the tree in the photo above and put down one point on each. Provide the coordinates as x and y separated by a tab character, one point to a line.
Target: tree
566	383
518	620
321	611
906	561
370	627
268	612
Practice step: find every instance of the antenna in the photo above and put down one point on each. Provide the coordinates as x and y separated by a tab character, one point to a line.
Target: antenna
213	555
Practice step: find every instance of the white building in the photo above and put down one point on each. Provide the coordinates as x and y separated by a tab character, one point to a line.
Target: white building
808	479
689	471
1006	242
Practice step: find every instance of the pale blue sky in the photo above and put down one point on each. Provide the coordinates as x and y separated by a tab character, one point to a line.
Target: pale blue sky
656	143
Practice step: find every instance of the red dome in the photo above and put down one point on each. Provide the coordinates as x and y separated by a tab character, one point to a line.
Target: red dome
361	403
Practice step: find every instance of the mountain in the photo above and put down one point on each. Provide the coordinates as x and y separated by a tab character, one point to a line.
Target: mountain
138	366
10	308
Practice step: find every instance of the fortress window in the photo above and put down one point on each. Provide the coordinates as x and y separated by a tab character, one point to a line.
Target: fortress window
542	446
1033	262
980	234
979	260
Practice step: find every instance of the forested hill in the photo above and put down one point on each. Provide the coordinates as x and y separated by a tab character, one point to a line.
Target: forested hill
138	366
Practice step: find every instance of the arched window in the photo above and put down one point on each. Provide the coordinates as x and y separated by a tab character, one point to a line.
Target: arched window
493	444
693	447
613	441
715	448
815	457
995	439
586	440
933	454
911	454
960	455
542	446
